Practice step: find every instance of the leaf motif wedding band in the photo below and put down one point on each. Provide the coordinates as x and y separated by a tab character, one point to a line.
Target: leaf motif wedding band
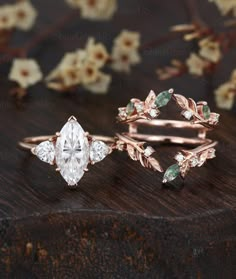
199	118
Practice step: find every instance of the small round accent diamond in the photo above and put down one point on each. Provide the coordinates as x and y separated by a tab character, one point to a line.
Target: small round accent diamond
179	157
139	107
153	113
98	151
148	151
188	114
194	162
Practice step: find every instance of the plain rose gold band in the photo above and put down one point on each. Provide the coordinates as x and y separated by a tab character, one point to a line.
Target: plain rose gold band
31	142
175	124
199	140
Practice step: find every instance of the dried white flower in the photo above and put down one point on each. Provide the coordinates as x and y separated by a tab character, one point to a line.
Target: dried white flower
225	6
89	73
196	65
125	51
7	19
71	77
98	9
233	77
225	95
81	67
69	60
25	72
25	15
122	60
210	50
128	40
96	53
101	85
73	3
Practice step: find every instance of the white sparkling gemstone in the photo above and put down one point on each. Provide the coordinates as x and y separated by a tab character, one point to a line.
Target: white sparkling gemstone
194	162
211	153
72	152
139	107
188	114
98	151
148	151
153	113
45	151
122	113
179	158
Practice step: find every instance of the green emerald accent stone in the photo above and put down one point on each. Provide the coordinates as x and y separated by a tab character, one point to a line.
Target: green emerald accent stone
171	173
130	108
163	99
206	112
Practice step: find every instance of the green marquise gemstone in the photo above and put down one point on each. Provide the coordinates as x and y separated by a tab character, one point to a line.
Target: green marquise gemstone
171	173
130	108
206	112
163	99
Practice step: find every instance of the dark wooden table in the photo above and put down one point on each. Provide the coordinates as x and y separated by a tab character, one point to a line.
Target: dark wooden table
121	222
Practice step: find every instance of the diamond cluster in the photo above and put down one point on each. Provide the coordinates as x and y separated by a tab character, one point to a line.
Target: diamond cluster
72	152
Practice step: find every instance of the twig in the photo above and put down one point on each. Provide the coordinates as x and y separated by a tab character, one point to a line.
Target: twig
23	51
159	41
43	35
195	15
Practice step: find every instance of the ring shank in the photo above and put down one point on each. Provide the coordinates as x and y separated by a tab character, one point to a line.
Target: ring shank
31	142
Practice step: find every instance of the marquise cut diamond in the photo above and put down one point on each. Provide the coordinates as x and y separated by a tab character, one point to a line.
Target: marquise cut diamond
72	152
45	151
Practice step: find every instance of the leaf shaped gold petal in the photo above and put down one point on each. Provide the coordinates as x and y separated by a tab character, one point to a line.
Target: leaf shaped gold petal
203	158
150	100
142	160
181	101
184	169
154	164
192	105
131	152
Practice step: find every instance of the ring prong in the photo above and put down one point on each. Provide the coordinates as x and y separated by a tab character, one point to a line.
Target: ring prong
33	151
72	118
86	170
58	169
58	134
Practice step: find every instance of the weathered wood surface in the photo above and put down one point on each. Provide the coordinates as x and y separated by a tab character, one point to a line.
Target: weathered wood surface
121	222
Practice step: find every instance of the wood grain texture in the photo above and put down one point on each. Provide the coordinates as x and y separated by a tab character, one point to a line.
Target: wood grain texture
121	222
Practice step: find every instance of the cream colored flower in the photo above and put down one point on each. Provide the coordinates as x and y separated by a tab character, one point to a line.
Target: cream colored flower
101	85
96	53
65	79
128	40
71	77
89	73
69	61
225	6
25	15
196	65
25	72
98	9
233	77
122	60
7	19
210	50
225	95
73	3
